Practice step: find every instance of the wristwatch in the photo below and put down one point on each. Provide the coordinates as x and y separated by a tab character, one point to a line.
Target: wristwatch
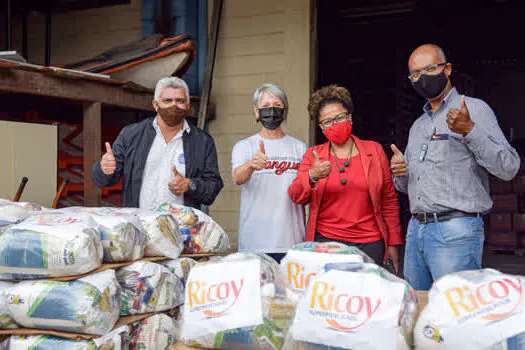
192	186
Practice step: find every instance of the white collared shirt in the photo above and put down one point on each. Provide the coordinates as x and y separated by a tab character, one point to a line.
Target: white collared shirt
158	172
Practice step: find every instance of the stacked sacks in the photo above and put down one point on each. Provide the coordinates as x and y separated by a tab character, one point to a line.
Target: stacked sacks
305	260
481	309
121	234
10	214
48	342
50	245
180	267
238	301
6	322
162	233
88	305
201	233
156	332
354	306
149	287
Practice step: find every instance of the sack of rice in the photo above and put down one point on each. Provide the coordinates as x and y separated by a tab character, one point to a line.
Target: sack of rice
237	302
88	305
149	287
479	309
306	259
10	214
201	233
48	342
121	233
6	322
180	267
162	231
354	306
50	245
156	332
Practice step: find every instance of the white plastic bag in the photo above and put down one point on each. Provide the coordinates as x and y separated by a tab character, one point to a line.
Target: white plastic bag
156	332
201	233
50	245
306	259
237	302
481	309
354	306
11	213
162	231
121	233
89	305
180	267
114	340
149	287
48	342
6	322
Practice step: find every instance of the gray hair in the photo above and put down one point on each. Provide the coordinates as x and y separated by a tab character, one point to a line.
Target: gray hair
273	90
171	82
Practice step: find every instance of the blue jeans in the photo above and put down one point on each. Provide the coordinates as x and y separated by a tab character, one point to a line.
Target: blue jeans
436	249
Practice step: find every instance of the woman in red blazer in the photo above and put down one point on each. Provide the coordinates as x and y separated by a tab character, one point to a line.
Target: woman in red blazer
348	183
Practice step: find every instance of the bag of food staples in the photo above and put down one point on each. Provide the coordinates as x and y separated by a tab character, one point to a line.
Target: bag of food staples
478	309
201	233
149	287
156	332
115	340
50	245
11	213
88	305
48	342
162	233
121	233
237	302
6	322
180	267
306	259
354	306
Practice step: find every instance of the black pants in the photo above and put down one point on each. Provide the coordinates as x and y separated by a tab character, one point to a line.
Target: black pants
277	256
375	250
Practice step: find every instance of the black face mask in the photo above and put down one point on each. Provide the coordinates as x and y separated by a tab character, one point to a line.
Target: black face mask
430	86
271	117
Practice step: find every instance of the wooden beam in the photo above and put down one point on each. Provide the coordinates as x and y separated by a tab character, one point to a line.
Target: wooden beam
73	88
92	145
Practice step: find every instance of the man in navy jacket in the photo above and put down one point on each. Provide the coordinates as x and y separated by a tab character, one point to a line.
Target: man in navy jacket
162	159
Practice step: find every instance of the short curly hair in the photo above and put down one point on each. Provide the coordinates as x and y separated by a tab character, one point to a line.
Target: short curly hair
329	95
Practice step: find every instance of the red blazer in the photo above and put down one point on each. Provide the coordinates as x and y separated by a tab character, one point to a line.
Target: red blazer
380	186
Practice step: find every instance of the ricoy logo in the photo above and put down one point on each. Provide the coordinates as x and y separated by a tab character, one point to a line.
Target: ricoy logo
341	311
57	220
490	301
298	279
213	300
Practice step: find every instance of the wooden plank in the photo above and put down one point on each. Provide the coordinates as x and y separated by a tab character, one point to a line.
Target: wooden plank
92	145
73	89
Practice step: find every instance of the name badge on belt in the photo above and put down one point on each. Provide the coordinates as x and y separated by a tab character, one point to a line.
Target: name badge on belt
423	152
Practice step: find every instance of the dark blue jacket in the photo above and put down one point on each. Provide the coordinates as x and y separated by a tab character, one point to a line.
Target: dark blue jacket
131	149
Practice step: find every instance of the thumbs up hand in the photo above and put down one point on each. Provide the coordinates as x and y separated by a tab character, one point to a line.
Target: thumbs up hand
108	163
458	120
179	185
319	170
397	163
259	160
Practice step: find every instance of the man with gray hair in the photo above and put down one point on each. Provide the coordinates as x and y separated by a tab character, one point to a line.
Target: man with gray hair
163	158
451	150
264	165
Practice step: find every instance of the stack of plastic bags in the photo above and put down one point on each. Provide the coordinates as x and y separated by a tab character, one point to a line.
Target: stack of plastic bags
201	233
155	332
88	305
481	310
149	287
162	233
237	302
305	260
120	232
354	306
50	245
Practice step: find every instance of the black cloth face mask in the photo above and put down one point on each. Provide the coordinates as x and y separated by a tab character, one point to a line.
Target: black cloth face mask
430	86
271	118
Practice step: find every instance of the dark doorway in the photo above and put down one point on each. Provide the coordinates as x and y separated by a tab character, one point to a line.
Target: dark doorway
364	45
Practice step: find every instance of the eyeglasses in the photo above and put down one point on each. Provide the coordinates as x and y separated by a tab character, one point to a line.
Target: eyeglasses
432	69
179	101
340	118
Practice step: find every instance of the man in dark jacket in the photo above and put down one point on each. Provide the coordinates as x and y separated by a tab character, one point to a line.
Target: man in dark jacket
162	159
